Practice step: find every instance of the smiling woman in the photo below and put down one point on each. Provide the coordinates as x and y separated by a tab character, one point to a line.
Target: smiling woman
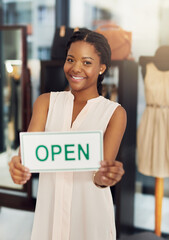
78	199
82	67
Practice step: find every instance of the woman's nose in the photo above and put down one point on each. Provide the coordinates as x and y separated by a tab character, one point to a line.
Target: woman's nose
77	67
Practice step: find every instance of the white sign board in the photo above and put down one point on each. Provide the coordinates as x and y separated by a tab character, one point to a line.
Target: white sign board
61	151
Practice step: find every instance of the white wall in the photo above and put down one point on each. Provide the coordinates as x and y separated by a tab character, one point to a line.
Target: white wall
142	18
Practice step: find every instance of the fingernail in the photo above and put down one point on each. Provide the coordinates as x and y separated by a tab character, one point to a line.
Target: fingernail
104	178
23	182
103	164
26	169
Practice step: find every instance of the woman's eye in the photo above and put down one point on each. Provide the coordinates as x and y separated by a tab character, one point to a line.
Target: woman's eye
69	60
87	63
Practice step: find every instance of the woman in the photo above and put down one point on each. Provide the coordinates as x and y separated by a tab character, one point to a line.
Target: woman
78	205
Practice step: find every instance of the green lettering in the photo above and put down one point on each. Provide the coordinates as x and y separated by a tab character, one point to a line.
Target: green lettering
67	152
58	152
47	153
80	149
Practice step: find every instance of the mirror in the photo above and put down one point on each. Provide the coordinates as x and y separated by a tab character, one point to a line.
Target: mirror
14	97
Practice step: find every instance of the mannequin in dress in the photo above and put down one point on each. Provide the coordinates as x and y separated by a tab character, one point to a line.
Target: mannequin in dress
161	62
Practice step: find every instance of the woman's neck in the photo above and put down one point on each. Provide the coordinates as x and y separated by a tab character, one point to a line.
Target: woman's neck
84	96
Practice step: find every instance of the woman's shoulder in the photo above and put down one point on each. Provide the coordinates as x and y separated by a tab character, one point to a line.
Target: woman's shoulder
39	115
47	99
118	112
119	116
42	102
110	103
43	99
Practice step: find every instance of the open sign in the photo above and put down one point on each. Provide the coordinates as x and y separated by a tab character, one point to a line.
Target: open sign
61	151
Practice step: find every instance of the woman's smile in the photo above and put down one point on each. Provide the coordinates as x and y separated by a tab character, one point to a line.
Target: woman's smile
82	66
77	78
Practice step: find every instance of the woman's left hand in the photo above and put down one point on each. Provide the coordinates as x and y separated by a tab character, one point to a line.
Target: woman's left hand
109	175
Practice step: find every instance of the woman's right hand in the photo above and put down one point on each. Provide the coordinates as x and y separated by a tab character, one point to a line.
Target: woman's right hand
19	173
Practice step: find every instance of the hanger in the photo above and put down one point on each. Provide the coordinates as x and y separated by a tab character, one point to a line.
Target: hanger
160	59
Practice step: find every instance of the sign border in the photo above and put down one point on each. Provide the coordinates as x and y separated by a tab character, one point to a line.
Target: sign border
61	133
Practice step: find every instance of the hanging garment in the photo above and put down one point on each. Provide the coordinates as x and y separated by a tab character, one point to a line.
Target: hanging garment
153	131
69	205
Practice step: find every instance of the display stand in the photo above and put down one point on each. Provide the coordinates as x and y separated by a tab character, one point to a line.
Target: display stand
125	189
161	62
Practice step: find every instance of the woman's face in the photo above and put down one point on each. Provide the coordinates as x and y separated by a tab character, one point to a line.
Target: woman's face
82	66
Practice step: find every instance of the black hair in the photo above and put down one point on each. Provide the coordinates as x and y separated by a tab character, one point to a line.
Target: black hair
101	45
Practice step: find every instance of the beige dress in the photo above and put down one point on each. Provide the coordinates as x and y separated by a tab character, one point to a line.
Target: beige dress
153	131
69	205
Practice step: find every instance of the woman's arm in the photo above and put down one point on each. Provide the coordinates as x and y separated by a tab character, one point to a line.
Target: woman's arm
111	171
39	115
19	173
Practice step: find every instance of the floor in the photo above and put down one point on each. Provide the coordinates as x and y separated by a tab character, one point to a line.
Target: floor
17	225
144	212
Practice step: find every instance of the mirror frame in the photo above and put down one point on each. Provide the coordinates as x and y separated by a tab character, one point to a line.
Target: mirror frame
23	200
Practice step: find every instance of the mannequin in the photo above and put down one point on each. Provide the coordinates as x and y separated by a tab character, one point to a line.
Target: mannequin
161	62
160	59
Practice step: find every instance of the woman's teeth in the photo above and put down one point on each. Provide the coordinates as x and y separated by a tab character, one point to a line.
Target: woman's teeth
77	78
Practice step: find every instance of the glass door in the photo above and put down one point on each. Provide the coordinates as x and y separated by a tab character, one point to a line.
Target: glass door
15	108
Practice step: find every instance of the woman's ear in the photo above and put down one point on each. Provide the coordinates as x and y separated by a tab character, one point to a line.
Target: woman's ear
102	69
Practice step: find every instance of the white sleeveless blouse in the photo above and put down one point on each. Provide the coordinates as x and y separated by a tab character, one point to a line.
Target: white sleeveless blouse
69	206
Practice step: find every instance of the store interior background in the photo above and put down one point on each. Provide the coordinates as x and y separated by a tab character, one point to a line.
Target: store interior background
148	22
